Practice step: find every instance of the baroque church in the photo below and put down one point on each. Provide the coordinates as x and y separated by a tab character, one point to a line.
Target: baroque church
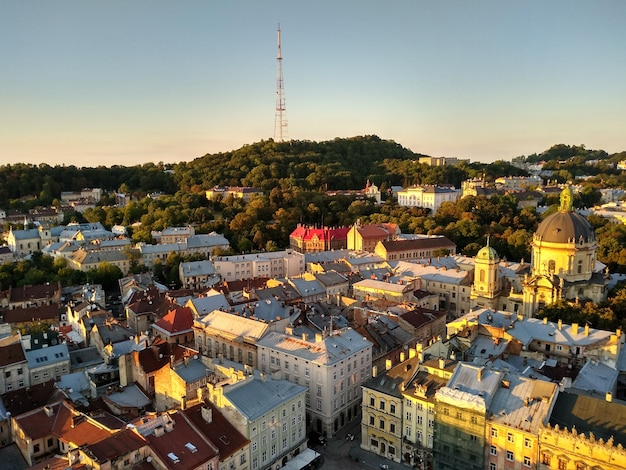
563	267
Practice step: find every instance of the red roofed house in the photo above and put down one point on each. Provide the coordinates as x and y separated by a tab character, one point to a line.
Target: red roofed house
415	248
56	428
306	239
31	296
21	316
365	237
175	443
13	365
176	327
140	367
232	445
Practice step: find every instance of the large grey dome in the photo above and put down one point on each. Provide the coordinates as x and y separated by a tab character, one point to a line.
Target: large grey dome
565	227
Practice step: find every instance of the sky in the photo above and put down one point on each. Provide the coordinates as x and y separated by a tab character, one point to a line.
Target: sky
120	82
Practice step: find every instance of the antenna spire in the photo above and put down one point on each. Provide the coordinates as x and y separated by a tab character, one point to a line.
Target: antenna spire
280	121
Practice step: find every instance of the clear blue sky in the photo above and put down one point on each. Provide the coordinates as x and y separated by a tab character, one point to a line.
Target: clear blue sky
124	82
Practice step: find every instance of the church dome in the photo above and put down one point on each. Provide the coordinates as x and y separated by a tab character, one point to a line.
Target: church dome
487	253
565	227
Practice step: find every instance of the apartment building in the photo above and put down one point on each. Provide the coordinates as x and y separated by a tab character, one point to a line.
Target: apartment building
332	367
287	263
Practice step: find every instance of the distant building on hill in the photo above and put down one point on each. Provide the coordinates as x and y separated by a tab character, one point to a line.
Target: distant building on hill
240	192
428	196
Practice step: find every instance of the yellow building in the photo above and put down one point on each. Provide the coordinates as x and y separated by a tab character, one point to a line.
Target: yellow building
398	408
584	432
518	410
564	262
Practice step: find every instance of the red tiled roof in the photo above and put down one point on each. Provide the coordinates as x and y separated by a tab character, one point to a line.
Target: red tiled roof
12	354
155	357
76	428
177	320
421	316
19	315
38	424
23	294
219	430
307	233
174	442
373	231
418	243
26	399
120	443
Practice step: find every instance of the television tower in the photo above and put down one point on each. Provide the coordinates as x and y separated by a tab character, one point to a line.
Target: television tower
280	120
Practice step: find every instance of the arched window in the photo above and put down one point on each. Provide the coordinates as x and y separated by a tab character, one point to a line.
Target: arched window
551	266
580	266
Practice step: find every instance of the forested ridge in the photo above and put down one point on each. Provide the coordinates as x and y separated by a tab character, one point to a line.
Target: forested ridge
294	177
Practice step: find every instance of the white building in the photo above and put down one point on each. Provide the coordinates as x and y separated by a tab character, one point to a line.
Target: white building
288	263
332	367
430	197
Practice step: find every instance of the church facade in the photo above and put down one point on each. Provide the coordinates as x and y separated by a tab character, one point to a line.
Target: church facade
563	267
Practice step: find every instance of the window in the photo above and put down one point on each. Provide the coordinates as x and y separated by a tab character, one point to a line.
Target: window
392	428
494	432
474	420
242	459
493	450
381	424
381	405
407	431
459	415
509	455
446	411
408	416
392	409
492	466
374	443
510	437
255	463
264	456
545	459
7	374
372	420
36	448
526	461
372	401
419	420
319	390
562	464
527	442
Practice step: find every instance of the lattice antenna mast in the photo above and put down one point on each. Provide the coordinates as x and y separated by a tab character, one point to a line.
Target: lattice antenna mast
280	120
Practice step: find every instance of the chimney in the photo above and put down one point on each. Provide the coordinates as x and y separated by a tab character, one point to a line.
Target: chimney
374	371
207	414
402	356
319	337
420	356
574	328
411	353
388	364
479	373
560	324
545	320
442	363
587	329
305	336
609	396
